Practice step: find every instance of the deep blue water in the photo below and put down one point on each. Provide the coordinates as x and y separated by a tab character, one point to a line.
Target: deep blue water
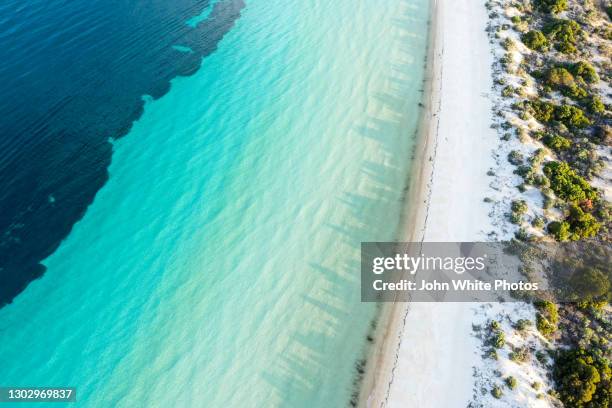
73	77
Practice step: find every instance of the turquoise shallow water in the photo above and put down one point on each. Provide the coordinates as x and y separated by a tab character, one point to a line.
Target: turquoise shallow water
219	265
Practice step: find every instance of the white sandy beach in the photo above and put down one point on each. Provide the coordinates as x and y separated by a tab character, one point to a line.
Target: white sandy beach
428	354
438	350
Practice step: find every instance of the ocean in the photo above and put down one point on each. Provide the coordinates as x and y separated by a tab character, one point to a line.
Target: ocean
185	187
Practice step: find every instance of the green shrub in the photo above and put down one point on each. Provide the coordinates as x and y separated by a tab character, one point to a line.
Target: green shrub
566	184
558	77
596	105
536	385
557	142
497	392
582	378
563	30
564	34
522	324
521	234
548	308
541	110
530	176
508	91
586	71
498	339
560	230
591	285
561	79
551	6
574	91
547	317
536	40
515	157
511	382
519	355
494	325
571	116
577	225
582	224
538	157
519	206
538	222
544	326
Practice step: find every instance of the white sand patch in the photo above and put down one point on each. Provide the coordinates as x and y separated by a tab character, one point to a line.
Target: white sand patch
438	350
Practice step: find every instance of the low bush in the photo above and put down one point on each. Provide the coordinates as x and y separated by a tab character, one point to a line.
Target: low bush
535	40
542	111
564	34
558	77
498	339
566	184
551	6
522	235
585	71
557	143
538	157
519	206
547	317
575	92
494	325
560	230
515	157
591	285
596	105
519	355
581	224
511	382
583	378
538	222
578	225
522	324
571	116
545	326
508	91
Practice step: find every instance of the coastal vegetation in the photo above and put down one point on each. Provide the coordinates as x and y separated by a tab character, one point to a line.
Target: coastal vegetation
572	115
583	377
536	40
568	185
547	317
552	74
551	6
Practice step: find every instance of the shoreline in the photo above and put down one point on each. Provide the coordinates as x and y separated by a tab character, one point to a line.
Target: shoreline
376	384
423	348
